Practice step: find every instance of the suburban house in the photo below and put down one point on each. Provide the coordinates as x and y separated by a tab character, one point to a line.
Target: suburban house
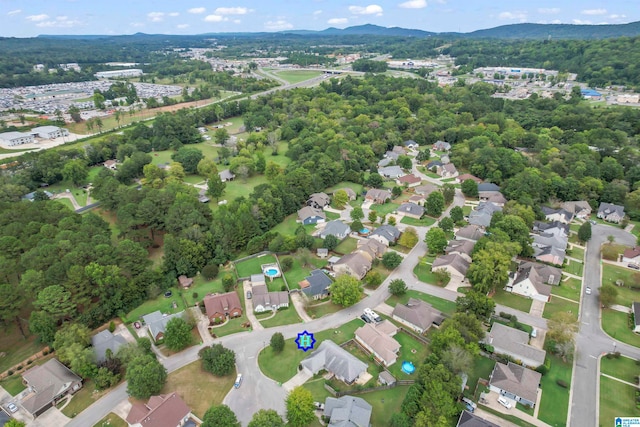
316	285
515	382
335	360
335	228
391	155
356	264
441	146
447	171
434	165
111	164
555	228
385	234
377	339
202	196
579	208
392	172
559	215
347	411
410	180
464	248
373	247
610	212
488	187
105	341
467	419
515	344
378	196
635	307
417	199
318	200
32	196
226	175
549	254
258	280
16	138
426	189
47	384
49	132
350	193
529	284
455	264
157	322
221	306
470	232
445	159
411	210
465	176
398	149
493	197
165	410
184	281
549	248
266	301
483	213
385	161
417	315
632	255
549	275
308	215
410	144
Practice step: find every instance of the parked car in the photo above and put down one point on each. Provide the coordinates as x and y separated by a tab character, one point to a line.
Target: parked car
471	405
504	402
238	381
12	408
534	333
587	290
634	266
319	406
249	294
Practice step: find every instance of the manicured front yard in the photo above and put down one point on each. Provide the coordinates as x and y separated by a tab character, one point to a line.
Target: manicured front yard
574	268
347	246
425	221
322	309
615	324
554	403
445	306
557	305
411	350
577	252
13	384
252	266
385	209
285	316
424	274
111	420
569	288
616	399
623	368
83	399
199	389
612	273
509	299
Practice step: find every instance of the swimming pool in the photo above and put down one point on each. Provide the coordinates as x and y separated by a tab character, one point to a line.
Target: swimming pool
408	368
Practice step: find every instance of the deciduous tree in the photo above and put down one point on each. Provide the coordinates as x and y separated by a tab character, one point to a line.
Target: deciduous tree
300	407
145	377
356	214
608	294
391	260
456	214
266	418
277	342
436	240
397	287
584	232
220	416
218	360
469	188
435	204
346	290
340	199
177	334
409	238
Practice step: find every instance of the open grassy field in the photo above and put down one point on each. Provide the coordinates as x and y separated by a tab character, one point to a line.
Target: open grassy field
612	273
623	368
615	324
445	306
557	305
569	288
161	303
252	266
616	399
297	76
512	300
554	403
285	316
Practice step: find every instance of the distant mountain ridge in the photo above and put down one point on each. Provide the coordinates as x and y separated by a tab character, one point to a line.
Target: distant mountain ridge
512	31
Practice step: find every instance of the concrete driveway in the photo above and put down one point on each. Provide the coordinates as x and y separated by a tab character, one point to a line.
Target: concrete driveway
537	308
249	307
53	417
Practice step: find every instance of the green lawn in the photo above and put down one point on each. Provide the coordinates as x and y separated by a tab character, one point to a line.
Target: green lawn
13	384
615	324
445	306
252	266
577	252
407	344
297	76
425	221
82	399
111	420
161	303
347	246
557	305
298	273
290	224
345	184
512	300
385	403
202	287
241	187
15	346
612	273
285	316
482	368
233	326
271	364
318	310
574	268
67	203
385	209
316	387
623	368
194	179
554	403
569	288
424	274
162	157
466	210
616	399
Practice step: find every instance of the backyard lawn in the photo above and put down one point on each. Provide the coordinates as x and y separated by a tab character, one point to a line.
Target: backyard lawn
411	350
425	221
202	287
569	288
512	300
111	420
623	368
615	324
199	389
443	305
161	303
297	273
574	268
424	274
482	368
15	347
345	184
347	246
385	209
554	403
616	399
252	266
612	273
285	316
290	224
557	305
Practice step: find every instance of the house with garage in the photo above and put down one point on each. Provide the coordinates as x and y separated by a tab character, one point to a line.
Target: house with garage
356	264
464	248
409	180
579	208
549	248
226	175
635	308
488	187
334	359
555	228
318	200
417	315
482	214
335	228
220	306
268	301
447	171
549	275
392	172
426	189
433	165
105	342
377	340
316	285
411	210
157	323
467	419
351	195
379	196
309	216
258	280
165	410
611	213
559	215
347	411
529	284
465	176
515	382
385	234
515	344
493	197
631	255
441	146
456	265
373	247
46	385
470	232
410	144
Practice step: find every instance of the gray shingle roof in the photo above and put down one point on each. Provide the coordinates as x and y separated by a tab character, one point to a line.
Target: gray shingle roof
515	343
488	186
467	419
333	358
568	216
609	208
105	340
471	232
318	283
347	411
516	379
157	322
389	232
548	274
411	208
418	313
391	171
335	228
456	261
309	212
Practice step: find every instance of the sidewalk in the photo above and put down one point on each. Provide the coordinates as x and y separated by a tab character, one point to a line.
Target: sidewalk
300	378
621	308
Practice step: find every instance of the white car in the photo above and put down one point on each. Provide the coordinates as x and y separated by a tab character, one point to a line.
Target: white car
12	408
587	290
504	402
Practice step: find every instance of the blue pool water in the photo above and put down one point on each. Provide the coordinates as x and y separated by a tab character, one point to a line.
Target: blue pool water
271	272
364	231
407	367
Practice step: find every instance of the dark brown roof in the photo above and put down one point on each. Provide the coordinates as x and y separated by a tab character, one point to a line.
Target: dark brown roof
516	379
221	303
166	410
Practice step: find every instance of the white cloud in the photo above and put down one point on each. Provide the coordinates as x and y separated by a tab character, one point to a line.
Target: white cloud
521	16
155	16
594	12
173	14
556	21
317	12
337	21
14	12
232	11
37	18
137	24
280	24
196	10
372	9
616	16
60	22
414	4
581	22
215	18
182	26
237	21
549	10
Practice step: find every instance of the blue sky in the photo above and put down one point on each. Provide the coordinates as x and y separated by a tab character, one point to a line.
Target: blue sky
25	18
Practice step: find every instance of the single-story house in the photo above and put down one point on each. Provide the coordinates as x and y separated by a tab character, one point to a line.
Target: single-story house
410	144
579	208
47	384
335	228
32	196
529	284
417	199
221	306
392	172
515	382
417	315
455	264
610	212
385	234
258	280
441	146
488	186
308	215
425	190
105	341
514	343
270	301
464	248
555	228
635	307
411	210
350	193
318	200
378	196
316	285
467	419
184	281
226	175
447	170
470	232
483	213
493	197
465	176
110	164
559	215
411	180
356	264
165	410
549	275
632	255
377	339
347	411
157	323
336	360
549	254
371	246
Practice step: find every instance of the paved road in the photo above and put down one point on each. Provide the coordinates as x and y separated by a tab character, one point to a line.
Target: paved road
591	341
